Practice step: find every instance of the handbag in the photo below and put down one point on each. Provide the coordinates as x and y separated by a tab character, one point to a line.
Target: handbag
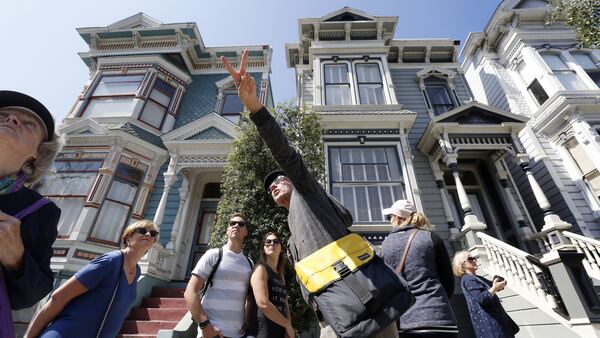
352	288
112	298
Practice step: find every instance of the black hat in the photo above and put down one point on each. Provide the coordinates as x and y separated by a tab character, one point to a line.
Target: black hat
15	99
270	177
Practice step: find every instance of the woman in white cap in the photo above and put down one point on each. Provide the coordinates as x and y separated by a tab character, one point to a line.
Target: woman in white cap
420	256
28	145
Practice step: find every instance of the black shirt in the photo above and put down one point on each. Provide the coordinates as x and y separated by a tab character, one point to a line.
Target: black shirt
260	325
38	232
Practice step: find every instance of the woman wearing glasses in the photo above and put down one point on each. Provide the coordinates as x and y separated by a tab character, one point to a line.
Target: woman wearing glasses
487	314
95	301
273	319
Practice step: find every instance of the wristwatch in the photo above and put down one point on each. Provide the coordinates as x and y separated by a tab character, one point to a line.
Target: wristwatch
204	324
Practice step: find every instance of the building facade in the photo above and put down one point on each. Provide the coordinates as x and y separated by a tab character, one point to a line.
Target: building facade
498	145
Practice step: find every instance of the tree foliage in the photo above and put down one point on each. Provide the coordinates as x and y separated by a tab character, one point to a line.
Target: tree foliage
581	15
249	161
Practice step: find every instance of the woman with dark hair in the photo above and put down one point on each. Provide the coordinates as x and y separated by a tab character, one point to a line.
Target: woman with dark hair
28	145
95	301
272	319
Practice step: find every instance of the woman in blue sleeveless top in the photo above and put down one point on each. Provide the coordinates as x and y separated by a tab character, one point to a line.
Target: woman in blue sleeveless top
272	319
95	301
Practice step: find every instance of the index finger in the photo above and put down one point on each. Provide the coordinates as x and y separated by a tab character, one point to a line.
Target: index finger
229	68
243	63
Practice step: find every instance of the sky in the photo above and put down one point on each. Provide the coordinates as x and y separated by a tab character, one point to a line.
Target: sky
39	43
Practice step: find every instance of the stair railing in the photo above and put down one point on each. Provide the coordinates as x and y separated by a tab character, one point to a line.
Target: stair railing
591	249
158	262
524	272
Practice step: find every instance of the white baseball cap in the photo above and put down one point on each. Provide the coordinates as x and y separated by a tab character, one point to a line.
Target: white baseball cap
400	208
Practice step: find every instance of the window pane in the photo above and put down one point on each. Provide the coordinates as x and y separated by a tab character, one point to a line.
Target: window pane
337	95
160	97
366	185
122	192
67	184
110	221
538	92
570	80
129	173
153	114
438	95
554	61
232	104
368	73
71	208
595	76
109	107
76	165
208	221
164	87
336	73
371	94
584	60
118	85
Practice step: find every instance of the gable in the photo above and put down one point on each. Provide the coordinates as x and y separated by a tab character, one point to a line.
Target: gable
348	16
211	133
478	116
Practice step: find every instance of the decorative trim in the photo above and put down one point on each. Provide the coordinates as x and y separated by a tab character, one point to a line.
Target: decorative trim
391	131
60	252
85	255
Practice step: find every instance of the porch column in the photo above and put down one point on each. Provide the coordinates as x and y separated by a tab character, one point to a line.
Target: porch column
472	223
513	206
169	179
183	194
439	182
553	225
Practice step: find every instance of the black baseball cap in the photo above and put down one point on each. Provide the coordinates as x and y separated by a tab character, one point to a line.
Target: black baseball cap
9	98
270	177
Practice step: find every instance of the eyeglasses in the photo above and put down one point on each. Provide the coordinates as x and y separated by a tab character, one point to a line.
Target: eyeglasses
144	231
241	224
276	181
472	259
272	241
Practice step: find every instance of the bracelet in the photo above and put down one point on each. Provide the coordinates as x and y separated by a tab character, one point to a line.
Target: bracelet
204	324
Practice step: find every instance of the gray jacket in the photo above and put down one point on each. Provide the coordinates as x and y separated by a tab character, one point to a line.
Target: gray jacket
315	217
428	272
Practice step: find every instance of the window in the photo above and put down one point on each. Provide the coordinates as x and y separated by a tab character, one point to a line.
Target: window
115	211
69	184
113	96
567	77
590	174
533	85
438	98
157	104
366	180
586	62
337	84
370	85
232	106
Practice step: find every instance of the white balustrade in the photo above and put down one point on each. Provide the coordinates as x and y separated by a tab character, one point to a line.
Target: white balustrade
591	249
515	265
158	262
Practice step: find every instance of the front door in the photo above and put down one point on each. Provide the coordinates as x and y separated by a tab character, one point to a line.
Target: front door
484	199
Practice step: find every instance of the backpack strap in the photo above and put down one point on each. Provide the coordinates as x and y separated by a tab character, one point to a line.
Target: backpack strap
209	280
35	206
250	262
400	266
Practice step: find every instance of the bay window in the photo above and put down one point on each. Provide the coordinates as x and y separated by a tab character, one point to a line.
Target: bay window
232	106
586	61
365	180
370	84
156	106
113	96
348	82
567	77
337	84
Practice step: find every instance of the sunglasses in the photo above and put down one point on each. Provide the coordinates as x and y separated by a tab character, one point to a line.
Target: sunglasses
272	241
241	224
472	259
388	217
276	181
144	231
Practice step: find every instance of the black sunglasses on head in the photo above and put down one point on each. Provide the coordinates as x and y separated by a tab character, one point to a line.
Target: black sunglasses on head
144	231
241	224
272	241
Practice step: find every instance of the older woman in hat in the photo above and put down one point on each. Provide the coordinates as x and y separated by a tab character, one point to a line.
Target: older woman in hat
28	145
420	256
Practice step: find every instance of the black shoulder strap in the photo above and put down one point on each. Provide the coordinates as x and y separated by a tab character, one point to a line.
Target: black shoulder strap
249	262
209	280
